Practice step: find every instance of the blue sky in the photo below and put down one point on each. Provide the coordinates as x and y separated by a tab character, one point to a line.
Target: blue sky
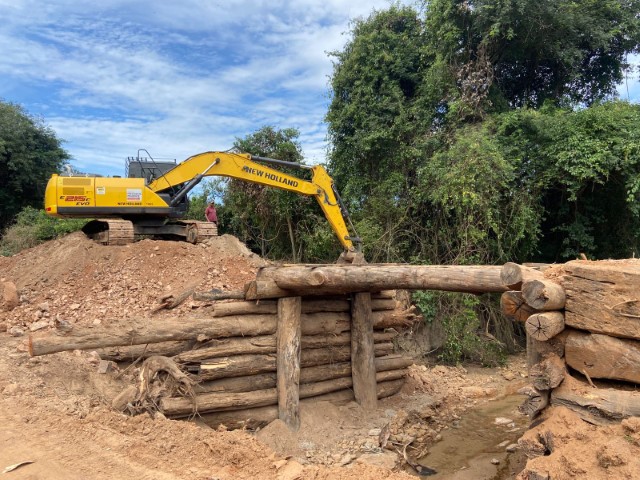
177	78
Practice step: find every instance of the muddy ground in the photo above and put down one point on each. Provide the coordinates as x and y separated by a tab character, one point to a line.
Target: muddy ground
54	410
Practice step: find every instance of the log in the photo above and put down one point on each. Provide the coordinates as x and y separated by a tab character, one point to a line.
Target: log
363	369
145	331
543	295
548	374
214	296
602	297
289	332
544	326
513	275
536	401
274	282
601	356
514	307
254	418
208	402
596	405
267	344
129	354
172	329
308	306
307	375
239	365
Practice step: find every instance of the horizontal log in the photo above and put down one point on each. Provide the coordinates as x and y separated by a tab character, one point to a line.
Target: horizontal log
239	365
145	331
307	375
537	400
133	352
308	306
209	402
602	297
214	296
543	294
513	275
596	405
254	418
602	356
545	325
514	307
279	281
267	344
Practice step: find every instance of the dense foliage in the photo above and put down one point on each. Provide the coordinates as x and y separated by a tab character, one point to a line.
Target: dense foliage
29	153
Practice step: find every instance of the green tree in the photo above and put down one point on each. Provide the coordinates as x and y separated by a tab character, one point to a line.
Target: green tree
29	153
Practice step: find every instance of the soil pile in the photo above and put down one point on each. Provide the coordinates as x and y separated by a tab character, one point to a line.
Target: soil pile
79	280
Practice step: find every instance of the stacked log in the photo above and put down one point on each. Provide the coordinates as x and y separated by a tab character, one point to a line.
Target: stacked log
582	326
238	353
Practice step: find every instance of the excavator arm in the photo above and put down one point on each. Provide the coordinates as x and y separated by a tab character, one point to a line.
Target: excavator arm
185	176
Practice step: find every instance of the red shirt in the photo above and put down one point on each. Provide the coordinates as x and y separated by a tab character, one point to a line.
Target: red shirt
211	214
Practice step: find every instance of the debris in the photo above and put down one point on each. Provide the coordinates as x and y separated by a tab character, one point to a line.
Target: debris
15	466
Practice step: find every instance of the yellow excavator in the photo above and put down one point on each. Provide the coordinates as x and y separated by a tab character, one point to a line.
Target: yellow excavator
152	201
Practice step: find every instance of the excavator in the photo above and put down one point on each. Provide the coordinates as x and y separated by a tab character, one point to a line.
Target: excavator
153	204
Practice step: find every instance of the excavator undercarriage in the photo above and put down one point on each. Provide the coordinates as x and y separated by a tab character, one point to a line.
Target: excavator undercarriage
110	231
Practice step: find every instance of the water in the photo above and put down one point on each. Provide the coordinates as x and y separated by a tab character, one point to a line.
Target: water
468	447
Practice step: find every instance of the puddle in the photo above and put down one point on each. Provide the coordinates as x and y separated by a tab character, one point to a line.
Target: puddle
468	448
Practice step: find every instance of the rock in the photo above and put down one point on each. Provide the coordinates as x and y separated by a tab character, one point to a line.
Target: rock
106	366
511	448
374	432
495	461
43	307
507	375
125	397
502	421
39	325
74	306
291	471
16	331
3	327
94	358
11	389
346	459
385	459
631	424
10	296
503	444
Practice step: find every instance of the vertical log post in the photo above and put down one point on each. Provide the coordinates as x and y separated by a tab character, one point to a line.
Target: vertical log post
288	360
363	369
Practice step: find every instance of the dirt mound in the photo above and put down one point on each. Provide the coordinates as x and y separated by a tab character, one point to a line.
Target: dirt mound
80	280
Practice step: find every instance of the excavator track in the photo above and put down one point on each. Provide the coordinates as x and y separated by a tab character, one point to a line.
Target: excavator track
198	232
110	232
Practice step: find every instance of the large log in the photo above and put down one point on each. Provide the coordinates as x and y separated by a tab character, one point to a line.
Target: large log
602	356
602	297
172	329
513	275
239	365
514	307
254	418
209	402
596	405
307	375
267	344
289	332
543	294
363	369
545	325
276	281
308	306
548	373
134	352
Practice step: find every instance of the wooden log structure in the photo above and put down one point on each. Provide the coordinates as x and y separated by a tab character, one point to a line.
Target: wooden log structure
253	418
289	332
513	275
308	306
177	407
543	294
363	368
514	307
275	282
545	325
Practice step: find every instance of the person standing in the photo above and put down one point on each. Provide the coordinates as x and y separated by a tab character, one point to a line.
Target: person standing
211	213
